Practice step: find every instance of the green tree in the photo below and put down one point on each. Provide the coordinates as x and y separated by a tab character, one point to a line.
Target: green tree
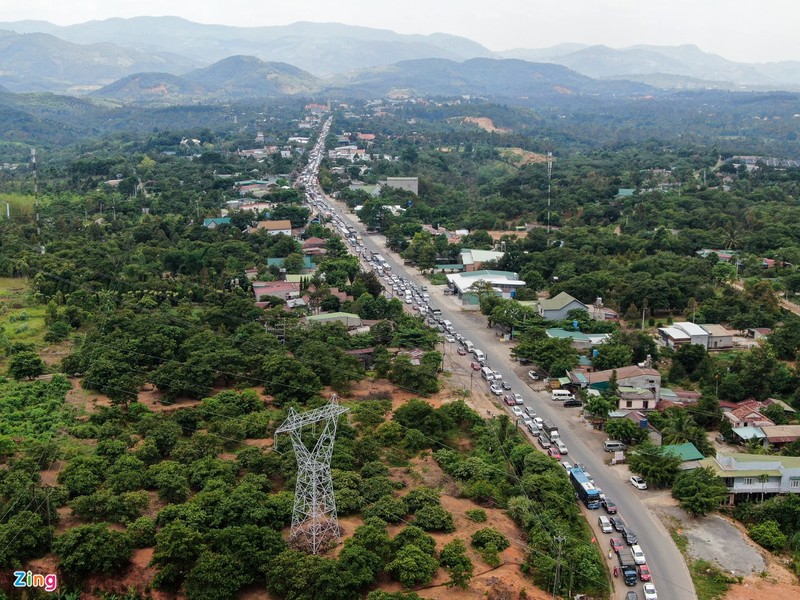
554	355
23	536
612	356
598	407
411	566
699	491
434	518
625	430
90	549
25	365
455	561
177	547
215	577
287	379
655	464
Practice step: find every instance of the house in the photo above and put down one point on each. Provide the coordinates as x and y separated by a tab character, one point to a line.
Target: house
787	410
279	262
280	289
251	274
747	415
625	192
556	308
697	335
635	398
579	340
213	223
641	421
314	243
745	434
755	476
633	377
410	184
688	453
718	337
373	189
350	320
759	333
672	337
283	226
366	356
503	283
473	259
781	435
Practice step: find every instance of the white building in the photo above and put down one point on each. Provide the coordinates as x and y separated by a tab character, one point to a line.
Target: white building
751	476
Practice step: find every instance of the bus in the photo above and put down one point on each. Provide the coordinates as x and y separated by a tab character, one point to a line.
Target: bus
585	489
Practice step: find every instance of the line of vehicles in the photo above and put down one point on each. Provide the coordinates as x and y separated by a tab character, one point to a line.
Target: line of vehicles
632	560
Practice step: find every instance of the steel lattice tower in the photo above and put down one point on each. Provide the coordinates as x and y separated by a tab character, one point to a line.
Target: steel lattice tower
314	523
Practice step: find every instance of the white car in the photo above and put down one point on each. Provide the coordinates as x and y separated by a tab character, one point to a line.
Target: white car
496	389
562	447
450	339
566	465
638	482
517	411
650	592
518	399
533	375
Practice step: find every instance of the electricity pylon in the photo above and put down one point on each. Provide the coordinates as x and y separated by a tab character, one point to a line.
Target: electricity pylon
314	524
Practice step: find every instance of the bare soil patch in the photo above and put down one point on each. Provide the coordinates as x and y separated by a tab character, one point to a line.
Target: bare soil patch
521	157
486	124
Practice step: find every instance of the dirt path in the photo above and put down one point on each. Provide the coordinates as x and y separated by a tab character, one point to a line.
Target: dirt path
790	306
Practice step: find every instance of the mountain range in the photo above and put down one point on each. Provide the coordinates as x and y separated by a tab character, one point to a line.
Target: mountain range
147	58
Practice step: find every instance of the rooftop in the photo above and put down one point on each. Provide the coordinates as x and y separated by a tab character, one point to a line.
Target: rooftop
691	328
685	452
558	302
469	257
748	433
623	373
675	333
717	330
274	225
557	332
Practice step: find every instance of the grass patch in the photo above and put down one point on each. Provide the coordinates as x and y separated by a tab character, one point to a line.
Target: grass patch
20	321
20	203
710	582
437	278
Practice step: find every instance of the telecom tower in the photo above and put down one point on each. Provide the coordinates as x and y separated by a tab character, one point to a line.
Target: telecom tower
314	524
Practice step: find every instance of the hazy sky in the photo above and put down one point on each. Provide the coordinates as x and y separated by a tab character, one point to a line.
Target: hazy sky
745	30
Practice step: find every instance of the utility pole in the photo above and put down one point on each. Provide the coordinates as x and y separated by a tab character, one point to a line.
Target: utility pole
35	189
644	308
557	576
549	175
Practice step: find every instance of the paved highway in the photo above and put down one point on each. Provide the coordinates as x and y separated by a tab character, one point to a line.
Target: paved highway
670	575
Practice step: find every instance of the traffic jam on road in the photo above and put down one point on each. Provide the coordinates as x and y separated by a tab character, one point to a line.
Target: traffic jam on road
630	556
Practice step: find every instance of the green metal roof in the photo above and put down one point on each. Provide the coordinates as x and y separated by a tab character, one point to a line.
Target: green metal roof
558	302
687	451
557	332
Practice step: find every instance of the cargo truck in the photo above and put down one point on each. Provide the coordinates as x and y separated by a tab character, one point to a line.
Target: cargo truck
627	567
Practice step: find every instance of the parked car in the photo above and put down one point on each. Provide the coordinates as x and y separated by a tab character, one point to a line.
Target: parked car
566	465
650	592
544	442
509	400
609	506
535	431
630	536
638	482
475	366
644	572
617	523
450	339
496	389
517	411
631	595
533	375
461	352
518	401
572	402
605	524
506	385
554	453
616	544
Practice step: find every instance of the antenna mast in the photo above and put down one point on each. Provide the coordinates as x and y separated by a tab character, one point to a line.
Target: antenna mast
35	189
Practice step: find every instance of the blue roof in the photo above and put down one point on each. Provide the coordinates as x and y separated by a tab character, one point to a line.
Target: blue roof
585	361
747	433
217	221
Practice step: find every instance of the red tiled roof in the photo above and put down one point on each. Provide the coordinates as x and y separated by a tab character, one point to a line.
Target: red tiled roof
622	373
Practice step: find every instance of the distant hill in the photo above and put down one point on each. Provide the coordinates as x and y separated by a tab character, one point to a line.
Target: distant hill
42	62
236	77
683	66
477	77
320	48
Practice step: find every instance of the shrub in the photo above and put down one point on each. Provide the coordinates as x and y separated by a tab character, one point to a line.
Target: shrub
476	515
142	532
769	535
388	508
489	536
434	518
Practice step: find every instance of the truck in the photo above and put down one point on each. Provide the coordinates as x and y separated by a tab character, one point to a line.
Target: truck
627	567
550	430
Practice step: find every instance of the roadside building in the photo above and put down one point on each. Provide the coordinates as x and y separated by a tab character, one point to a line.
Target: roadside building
473	260
283	226
752	477
632	376
503	283
556	308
